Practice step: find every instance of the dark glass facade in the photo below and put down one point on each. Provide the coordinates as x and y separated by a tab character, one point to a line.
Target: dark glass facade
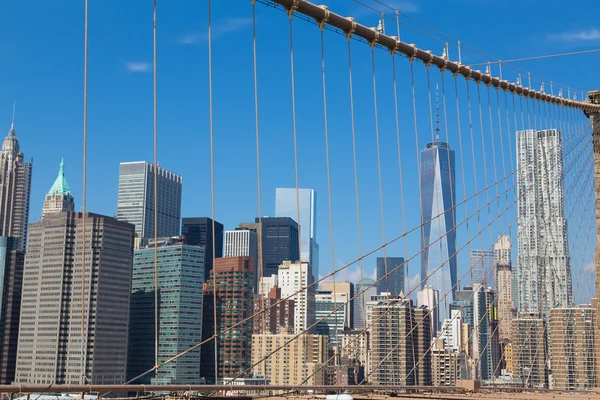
198	232
11	285
394	281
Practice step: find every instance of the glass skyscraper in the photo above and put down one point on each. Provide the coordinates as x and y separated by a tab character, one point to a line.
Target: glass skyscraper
136	199
180	278
286	205
394	281
438	236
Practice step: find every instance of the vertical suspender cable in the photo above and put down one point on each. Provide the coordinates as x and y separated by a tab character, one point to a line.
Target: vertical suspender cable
257	268
325	120
155	191
379	164
84	197
212	187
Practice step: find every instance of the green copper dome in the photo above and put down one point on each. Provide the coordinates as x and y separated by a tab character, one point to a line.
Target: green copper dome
60	187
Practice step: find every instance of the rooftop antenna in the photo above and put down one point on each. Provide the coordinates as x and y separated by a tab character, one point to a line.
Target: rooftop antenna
12	125
437	113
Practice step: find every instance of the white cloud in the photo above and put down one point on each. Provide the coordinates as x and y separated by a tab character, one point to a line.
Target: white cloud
138	66
586	35
218	29
413	283
589	267
352	273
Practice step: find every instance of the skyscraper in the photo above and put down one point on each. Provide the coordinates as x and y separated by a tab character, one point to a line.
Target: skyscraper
401	341
544	267
361	299
394	267
50	334
136	199
573	347
199	232
344	293
438	234
180	278
529	350
330	315
429	297
241	242
59	197
481	264
15	189
230	284
293	279
278	242
505	299
287	204
11	283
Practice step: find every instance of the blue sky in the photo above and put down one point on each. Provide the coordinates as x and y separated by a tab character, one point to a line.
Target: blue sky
41	53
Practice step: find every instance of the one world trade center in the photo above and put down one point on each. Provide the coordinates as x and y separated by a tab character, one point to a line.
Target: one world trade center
438	234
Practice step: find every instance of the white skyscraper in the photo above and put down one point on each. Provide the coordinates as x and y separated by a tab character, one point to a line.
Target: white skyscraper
502	249
292	278
543	269
136	199
241	242
430	297
287	205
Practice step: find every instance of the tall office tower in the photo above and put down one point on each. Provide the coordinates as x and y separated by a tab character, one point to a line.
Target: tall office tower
429	297
50	334
502	249
199	232
481	264
361	299
59	198
438	234
344	293
180	275
544	268
300	361
11	283
529	350
399	342
273	314
242	242
231	285
278	242
287	204
330	315
293	278
573	345
15	189
487	354
394	267
505	299
136	199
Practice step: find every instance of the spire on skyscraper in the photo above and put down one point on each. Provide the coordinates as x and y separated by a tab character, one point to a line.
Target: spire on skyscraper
60	186
437	113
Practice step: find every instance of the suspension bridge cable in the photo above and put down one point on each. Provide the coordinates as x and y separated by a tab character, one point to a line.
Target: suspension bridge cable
258	268
329	201
155	203
212	188
84	195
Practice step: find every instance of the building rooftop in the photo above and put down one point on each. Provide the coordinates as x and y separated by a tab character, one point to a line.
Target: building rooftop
60	186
